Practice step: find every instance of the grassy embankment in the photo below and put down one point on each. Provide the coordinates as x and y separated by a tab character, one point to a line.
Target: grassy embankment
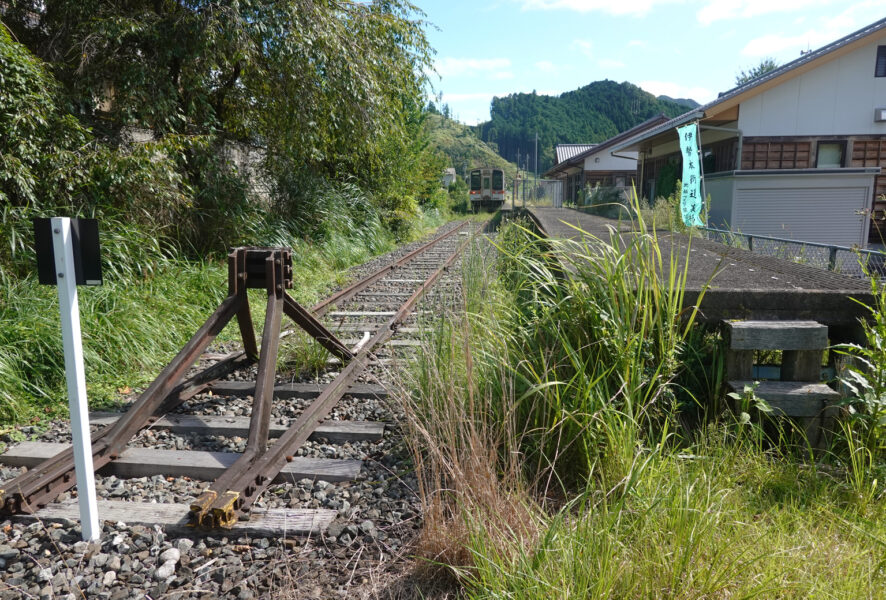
151	303
462	147
571	445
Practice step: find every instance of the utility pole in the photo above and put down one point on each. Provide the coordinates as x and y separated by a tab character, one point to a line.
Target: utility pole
535	190
522	183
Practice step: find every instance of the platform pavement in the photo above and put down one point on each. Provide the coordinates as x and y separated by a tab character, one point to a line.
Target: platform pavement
742	285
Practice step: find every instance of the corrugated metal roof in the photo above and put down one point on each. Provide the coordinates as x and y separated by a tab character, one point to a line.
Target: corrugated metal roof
567	151
699	112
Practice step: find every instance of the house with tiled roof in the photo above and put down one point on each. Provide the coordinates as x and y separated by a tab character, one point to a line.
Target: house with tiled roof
583	165
798	152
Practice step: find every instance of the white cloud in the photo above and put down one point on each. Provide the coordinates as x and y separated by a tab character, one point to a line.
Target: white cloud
547	66
678	90
818	33
610	63
584	46
473	107
773	44
637	43
623	7
718	10
495	68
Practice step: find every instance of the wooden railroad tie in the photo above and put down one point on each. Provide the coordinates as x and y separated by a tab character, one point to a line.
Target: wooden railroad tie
202	465
175	518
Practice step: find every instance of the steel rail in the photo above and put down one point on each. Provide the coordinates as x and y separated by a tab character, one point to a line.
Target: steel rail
241	484
352	290
40	485
30	490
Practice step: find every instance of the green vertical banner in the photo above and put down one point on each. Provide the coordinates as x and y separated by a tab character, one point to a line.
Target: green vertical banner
690	198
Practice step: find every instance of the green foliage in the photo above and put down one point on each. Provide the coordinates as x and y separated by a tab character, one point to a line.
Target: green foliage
197	76
666	182
589	114
665	213
864	377
766	65
197	67
129	332
458	195
463	148
601	349
538	384
717	520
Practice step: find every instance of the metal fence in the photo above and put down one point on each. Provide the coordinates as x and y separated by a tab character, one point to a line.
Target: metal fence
840	259
544	192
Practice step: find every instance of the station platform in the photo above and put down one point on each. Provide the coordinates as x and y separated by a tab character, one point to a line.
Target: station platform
741	284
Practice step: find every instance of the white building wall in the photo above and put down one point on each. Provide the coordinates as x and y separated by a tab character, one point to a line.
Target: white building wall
720	190
607	162
836	98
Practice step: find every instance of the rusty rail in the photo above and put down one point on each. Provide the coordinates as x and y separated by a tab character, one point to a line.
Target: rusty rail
268	268
235	491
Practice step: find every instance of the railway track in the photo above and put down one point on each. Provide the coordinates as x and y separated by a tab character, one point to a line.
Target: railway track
231	420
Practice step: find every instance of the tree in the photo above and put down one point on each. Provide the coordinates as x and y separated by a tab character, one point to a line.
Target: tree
331	84
766	65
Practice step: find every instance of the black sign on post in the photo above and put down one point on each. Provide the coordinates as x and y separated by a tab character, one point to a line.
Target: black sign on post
87	257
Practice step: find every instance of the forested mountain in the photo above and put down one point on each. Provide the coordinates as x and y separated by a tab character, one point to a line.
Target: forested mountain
463	149
589	114
689	103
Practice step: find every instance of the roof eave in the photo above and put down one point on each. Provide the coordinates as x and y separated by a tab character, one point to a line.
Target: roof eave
635	144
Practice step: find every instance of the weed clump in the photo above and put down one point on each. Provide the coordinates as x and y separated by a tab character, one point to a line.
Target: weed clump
570	442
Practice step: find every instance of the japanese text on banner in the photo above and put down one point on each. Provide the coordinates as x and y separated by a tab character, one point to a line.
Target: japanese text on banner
690	199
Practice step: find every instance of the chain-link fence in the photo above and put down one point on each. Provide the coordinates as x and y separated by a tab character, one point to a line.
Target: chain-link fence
840	259
543	192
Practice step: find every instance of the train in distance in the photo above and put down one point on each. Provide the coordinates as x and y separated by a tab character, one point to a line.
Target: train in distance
487	189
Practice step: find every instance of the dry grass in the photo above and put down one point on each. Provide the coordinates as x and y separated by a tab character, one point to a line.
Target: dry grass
503	410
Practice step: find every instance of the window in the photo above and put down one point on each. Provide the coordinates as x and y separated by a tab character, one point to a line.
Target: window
475	180
880	69
830	155
498	180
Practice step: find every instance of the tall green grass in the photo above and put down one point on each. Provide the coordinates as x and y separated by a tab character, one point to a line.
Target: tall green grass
547	425
152	302
129	332
600	349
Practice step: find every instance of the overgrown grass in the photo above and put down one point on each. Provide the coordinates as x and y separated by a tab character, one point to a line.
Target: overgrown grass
134	324
129	331
554	460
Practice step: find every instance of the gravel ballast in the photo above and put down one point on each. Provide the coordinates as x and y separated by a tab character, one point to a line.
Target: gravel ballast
378	514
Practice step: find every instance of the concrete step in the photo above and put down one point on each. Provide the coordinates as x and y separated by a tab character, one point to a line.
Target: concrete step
777	335
793	398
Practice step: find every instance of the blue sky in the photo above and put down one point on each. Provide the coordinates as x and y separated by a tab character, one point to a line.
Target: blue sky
681	48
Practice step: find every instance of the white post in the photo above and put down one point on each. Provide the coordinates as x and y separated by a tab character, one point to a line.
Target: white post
63	245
